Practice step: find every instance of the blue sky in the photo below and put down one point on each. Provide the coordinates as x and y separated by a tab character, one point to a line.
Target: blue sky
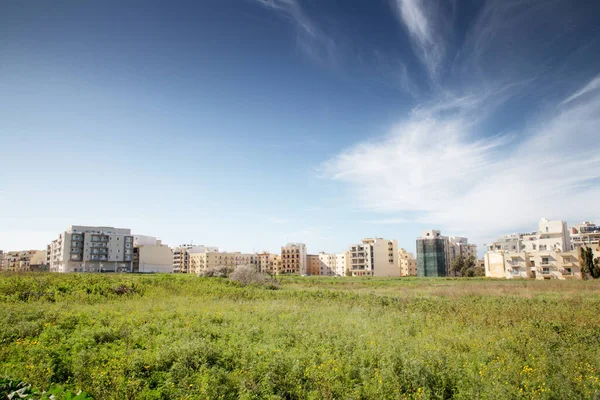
246	124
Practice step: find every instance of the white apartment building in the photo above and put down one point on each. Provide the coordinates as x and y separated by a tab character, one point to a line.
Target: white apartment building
334	264
544	254
374	257
181	254
209	259
91	249
293	259
407	262
151	256
585	234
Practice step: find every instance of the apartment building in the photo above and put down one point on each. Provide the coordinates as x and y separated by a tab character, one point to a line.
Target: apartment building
585	234
293	259
331	264
268	263
543	254
25	260
545	264
199	262
181	254
151	256
433	254
460	246
92	249
313	264
374	257
408	263
506	243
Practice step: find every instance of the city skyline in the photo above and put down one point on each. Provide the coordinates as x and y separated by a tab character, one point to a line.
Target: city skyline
248	124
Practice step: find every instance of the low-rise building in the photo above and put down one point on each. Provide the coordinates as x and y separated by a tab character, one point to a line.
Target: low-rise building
334	264
546	264
293	259
374	257
408	263
92	249
209	259
585	234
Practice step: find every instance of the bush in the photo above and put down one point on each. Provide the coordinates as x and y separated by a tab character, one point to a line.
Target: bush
248	275
220	271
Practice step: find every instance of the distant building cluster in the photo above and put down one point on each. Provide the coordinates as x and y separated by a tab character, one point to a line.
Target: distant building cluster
550	252
108	249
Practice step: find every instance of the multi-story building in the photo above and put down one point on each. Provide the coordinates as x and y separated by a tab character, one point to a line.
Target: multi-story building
545	264
374	257
433	254
507	243
91	249
460	246
408	264
151	256
268	263
543	254
313	264
293	259
25	260
585	234
181	254
334	264
210	259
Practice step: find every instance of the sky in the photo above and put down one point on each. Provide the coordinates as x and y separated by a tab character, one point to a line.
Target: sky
247	124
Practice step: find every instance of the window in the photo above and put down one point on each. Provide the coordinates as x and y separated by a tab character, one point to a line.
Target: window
546	229
534	246
545	260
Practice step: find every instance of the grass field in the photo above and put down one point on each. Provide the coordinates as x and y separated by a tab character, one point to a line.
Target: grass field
170	337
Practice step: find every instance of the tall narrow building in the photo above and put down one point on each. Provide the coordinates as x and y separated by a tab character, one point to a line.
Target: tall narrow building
293	259
374	257
433	254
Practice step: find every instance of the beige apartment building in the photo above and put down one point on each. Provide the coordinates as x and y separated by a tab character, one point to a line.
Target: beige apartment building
91	249
585	234
374	257
313	264
268	263
293	259
210	259
181	254
25	260
544	254
408	263
151	256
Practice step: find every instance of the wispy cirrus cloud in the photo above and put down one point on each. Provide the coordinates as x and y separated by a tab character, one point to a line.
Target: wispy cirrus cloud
450	163
311	39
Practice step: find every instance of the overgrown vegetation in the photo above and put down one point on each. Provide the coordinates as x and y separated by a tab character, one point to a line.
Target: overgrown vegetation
590	266
167	337
466	267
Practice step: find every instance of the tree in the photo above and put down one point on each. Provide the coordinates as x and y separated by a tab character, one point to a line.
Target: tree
589	265
461	266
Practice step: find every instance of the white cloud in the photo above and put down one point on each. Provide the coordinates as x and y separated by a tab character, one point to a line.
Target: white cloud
419	22
480	186
591	86
311	39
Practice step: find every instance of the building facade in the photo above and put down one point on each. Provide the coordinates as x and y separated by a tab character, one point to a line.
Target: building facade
293	259
433	254
209	259
585	234
268	263
544	254
151	256
25	260
181	255
374	257
92	249
313	264
331	264
408	263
